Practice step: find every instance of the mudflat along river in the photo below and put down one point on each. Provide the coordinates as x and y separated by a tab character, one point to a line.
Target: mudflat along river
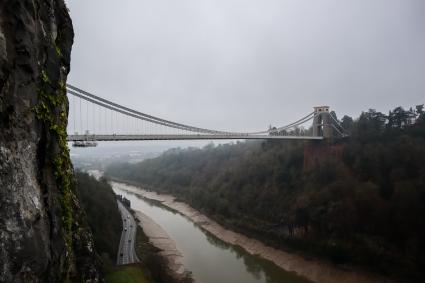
208	258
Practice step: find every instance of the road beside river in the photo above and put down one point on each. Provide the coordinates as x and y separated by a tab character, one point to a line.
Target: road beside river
126	251
314	270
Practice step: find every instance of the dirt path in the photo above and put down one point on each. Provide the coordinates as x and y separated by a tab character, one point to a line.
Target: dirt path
314	270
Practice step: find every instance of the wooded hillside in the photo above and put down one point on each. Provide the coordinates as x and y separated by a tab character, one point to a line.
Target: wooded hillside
100	205
365	207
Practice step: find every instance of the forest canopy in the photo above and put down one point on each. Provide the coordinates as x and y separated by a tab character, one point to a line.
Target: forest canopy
363	207
100	205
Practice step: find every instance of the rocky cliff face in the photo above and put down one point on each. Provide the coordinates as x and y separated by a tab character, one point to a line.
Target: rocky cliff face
43	235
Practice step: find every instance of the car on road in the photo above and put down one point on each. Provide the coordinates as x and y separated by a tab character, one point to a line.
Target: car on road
129	240
121	254
125	229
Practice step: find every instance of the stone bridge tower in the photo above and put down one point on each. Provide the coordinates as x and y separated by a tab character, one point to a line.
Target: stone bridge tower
322	122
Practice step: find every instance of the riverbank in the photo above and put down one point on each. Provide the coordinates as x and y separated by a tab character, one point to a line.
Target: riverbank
314	270
158	258
166	246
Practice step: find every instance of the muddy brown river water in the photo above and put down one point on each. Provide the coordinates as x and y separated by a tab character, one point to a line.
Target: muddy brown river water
215	254
208	258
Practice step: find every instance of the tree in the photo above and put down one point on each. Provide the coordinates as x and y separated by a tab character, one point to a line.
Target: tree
347	123
420	114
99	202
420	109
398	118
370	123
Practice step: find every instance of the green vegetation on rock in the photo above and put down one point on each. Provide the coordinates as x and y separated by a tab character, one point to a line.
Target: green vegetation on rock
52	111
47	111
50	241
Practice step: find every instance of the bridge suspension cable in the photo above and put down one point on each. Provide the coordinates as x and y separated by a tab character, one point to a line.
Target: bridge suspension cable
96	99
136	114
125	123
341	129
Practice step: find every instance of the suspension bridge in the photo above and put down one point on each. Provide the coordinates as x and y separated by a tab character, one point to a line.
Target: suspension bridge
93	118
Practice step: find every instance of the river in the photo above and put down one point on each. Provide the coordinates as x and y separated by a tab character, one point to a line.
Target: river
208	258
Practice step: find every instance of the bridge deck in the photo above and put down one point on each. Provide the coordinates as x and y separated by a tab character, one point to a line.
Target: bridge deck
185	137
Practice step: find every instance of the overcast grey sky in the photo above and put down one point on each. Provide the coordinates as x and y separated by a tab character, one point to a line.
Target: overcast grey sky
245	64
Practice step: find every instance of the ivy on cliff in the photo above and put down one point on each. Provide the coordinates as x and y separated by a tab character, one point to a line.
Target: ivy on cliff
52	111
